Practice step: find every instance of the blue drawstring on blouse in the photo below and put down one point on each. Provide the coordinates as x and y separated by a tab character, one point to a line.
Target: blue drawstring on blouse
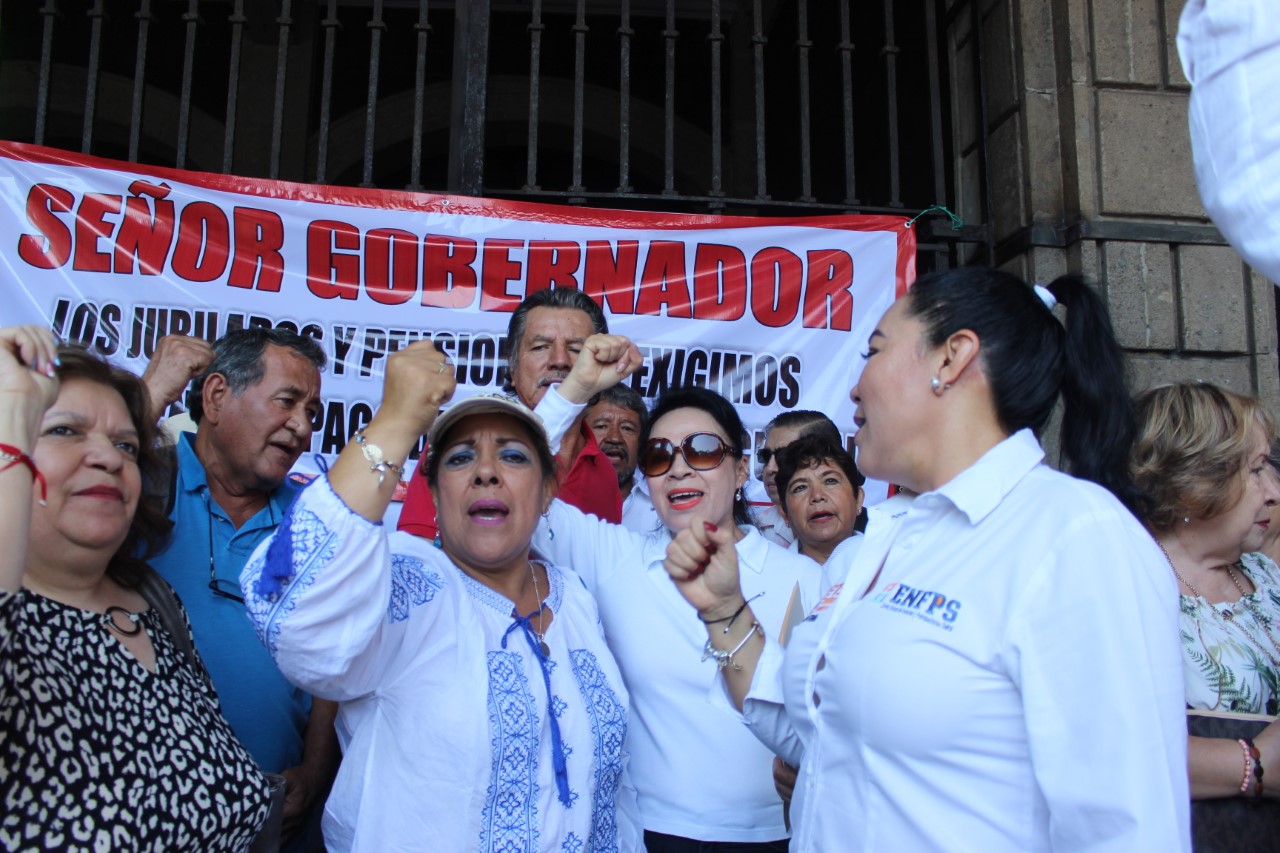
558	758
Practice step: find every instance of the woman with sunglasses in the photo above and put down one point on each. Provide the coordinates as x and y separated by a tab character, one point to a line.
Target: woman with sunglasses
701	778
1000	669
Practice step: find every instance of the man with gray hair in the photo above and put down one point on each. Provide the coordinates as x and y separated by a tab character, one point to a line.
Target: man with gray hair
544	336
255	404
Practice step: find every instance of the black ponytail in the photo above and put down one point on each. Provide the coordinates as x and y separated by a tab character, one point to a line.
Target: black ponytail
1029	358
1098	428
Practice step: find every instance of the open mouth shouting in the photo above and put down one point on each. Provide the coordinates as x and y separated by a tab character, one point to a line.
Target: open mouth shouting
684	498
488	512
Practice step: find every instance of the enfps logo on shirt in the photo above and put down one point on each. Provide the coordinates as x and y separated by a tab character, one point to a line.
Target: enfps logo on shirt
925	604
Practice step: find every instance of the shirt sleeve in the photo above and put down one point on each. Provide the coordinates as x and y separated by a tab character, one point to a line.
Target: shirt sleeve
330	627
1121	786
1230	51
570	537
764	710
558	416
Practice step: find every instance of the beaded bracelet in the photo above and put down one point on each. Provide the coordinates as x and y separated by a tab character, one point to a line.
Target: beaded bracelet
724	659
1253	766
16	456
1248	767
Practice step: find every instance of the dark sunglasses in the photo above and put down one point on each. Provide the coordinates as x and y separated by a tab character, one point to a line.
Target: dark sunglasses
764	454
702	451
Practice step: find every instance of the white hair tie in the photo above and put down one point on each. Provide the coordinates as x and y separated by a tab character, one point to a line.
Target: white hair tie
1046	296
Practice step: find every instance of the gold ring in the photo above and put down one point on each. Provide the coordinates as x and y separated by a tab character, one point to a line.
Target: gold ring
444	367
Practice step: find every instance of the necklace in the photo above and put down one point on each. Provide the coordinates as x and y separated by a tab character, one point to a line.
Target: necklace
541	634
1229	615
109	620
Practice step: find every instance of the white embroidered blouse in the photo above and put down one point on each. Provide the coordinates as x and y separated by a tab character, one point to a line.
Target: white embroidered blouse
447	711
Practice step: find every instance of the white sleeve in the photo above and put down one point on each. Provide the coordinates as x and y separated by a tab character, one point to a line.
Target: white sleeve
764	710
1230	51
320	595
570	537
558	416
1115	780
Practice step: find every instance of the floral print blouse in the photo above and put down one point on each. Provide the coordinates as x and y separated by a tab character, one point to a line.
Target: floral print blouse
1231	651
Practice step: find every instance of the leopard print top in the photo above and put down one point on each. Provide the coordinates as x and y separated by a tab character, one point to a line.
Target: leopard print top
98	753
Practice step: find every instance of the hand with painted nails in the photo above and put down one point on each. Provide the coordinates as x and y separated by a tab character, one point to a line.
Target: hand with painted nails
605	361
702	560
28	383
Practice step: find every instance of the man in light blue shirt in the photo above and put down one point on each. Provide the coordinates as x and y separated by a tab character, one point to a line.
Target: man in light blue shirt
254	405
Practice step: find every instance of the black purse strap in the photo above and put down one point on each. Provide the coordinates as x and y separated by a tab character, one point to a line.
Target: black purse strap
164	601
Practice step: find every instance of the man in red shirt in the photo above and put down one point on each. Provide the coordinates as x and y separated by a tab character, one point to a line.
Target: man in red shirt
544	337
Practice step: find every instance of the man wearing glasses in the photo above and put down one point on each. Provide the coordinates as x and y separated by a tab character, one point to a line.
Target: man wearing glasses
254	400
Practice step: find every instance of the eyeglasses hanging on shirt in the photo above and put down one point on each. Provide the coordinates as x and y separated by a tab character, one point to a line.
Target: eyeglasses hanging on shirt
219	586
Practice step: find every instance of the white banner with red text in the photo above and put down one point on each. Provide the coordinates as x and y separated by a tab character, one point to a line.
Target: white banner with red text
771	312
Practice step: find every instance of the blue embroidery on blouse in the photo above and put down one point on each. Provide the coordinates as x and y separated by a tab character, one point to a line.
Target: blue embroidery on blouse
412	584
572	844
555	596
510	818
312	546
484	595
609	728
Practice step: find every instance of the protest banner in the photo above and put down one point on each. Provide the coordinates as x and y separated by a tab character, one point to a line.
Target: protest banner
771	312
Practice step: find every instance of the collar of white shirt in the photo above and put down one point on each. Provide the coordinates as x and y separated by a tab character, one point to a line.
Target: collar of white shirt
978	490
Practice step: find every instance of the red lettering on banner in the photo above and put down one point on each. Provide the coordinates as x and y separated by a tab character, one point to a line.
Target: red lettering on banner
664	281
610	277
91	226
551	263
828	304
448	279
499	269
776	279
390	265
50	247
719	282
146	229
331	275
257	259
203	239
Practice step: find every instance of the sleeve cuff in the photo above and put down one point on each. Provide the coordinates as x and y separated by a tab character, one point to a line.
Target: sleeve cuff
558	415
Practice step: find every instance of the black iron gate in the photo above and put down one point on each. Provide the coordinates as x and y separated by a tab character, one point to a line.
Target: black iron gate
779	107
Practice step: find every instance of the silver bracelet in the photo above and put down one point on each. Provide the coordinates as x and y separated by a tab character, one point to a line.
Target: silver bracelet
724	659
373	455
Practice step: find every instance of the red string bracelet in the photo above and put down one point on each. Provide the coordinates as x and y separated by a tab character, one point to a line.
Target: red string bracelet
15	456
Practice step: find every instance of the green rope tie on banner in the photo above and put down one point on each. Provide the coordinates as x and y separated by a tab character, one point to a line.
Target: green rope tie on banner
956	222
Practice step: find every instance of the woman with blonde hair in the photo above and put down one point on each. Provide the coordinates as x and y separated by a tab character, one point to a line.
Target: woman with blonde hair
1201	457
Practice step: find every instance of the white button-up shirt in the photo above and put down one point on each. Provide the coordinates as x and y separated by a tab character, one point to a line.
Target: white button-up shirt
1011	681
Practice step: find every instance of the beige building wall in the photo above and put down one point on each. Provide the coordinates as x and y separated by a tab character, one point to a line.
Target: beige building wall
1091	172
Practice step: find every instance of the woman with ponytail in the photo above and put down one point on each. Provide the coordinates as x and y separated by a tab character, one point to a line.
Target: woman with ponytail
1000	667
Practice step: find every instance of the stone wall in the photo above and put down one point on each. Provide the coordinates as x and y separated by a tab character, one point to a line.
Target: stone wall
1090	172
